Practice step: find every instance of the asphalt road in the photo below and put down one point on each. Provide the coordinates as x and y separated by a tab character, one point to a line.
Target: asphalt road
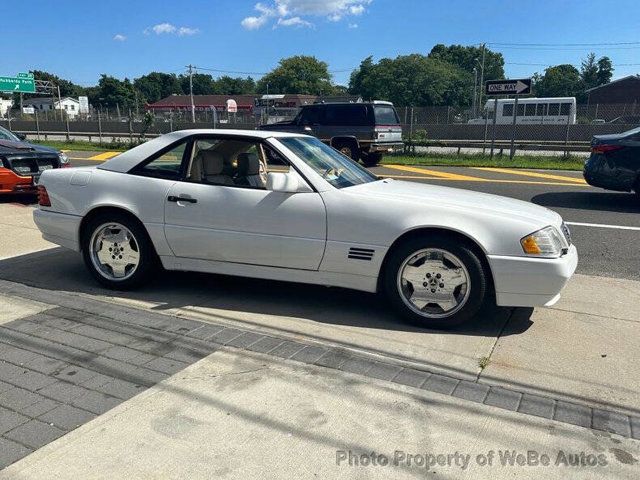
605	225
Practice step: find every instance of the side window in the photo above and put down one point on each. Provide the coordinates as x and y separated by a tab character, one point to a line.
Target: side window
507	110
521	110
530	110
554	109
168	165
311	115
541	110
229	162
347	115
565	109
274	161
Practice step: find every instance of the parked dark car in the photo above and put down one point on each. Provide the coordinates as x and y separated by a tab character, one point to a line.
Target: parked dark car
362	131
614	163
21	162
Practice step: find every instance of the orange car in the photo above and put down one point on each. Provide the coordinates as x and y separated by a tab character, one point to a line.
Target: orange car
21	163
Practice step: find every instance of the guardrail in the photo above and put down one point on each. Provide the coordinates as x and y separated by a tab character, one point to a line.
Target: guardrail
500	145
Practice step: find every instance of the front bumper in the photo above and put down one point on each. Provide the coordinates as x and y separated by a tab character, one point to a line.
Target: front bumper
529	281
59	228
10	182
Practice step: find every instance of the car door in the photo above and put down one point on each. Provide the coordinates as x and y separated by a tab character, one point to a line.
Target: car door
219	219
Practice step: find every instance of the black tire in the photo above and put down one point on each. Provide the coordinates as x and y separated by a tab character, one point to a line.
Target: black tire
371	159
349	149
148	259
478	280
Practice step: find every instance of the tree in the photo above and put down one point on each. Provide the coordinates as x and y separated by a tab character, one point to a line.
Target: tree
560	81
469	57
226	85
156	85
67	88
589	71
605	70
412	80
203	84
299	74
112	91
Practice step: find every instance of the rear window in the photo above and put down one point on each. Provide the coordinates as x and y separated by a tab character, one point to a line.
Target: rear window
386	115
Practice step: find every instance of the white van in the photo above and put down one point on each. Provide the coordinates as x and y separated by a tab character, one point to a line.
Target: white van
530	111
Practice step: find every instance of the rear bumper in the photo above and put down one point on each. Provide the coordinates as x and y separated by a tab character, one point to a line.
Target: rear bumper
59	228
385	147
531	282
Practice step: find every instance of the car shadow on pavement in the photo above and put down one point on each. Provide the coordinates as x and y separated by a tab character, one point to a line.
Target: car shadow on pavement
63	270
19	198
601	201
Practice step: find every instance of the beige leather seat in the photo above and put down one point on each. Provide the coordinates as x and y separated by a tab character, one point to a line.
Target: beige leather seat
207	167
249	171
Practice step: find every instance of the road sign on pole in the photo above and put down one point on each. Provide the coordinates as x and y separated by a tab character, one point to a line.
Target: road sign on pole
17	84
520	86
25	75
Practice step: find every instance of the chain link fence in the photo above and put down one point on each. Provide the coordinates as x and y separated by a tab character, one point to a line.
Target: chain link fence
454	126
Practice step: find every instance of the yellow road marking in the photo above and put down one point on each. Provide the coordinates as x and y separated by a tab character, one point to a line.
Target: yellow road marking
486	180
103	156
435	173
526	173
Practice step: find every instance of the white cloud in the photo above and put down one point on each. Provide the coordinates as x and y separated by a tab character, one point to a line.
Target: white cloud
353	25
119	37
292	13
166	28
182	31
293	22
253	23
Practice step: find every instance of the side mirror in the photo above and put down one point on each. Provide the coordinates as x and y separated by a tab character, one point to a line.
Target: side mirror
289	182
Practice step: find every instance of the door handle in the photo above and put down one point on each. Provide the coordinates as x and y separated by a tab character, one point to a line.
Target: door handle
172	198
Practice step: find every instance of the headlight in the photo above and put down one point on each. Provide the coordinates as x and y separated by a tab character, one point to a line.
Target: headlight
547	242
63	158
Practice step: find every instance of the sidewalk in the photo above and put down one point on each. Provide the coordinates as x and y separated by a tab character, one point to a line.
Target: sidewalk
241	415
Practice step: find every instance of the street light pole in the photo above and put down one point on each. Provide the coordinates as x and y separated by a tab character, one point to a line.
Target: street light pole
193	107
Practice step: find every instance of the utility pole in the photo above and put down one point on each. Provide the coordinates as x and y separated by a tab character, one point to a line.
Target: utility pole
475	92
484	48
193	107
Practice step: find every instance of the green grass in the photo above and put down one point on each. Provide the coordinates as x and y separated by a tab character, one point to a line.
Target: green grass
84	146
479	160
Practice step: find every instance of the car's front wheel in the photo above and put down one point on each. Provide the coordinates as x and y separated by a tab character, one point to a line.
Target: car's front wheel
435	282
117	251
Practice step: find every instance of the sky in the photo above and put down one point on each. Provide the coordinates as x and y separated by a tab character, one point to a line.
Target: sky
79	40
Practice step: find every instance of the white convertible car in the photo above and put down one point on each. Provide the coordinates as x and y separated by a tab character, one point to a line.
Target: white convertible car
287	207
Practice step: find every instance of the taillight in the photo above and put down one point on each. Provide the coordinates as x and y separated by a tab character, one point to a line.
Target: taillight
43	197
605	148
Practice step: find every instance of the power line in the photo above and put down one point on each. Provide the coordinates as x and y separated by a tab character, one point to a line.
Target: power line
602	44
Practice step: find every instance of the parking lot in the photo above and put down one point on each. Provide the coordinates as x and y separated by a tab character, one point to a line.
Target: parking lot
260	361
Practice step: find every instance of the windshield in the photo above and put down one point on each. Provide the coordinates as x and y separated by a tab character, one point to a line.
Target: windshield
7	135
334	167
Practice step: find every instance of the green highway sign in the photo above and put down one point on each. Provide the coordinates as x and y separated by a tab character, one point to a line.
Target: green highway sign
25	75
17	84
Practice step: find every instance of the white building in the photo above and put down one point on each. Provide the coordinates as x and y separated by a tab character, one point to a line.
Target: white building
5	106
71	106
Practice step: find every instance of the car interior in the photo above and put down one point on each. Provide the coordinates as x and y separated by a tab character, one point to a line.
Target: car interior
232	163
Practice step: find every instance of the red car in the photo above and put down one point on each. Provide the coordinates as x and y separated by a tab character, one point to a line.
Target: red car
21	163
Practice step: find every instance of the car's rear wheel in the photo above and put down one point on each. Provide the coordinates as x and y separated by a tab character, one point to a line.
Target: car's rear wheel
117	251
435	282
371	159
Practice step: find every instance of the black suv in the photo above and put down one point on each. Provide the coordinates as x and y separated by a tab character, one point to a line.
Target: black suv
362	131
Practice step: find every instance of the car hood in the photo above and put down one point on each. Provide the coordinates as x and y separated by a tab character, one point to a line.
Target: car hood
435	196
9	146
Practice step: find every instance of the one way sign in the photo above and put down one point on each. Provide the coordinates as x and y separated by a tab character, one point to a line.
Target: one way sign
509	87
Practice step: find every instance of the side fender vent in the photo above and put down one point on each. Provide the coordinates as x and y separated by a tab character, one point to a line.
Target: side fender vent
361	253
